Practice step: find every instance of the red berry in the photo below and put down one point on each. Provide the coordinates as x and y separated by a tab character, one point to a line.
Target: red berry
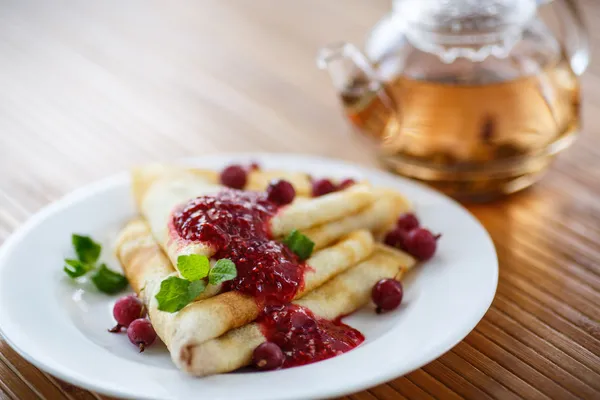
421	243
281	192
126	310
396	238
387	294
346	183
254	166
234	177
300	321
407	222
321	187
268	356
141	333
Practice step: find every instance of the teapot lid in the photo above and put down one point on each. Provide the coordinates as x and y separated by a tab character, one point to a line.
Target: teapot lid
468	28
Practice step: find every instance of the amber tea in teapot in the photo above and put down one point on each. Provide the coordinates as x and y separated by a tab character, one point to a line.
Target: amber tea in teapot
473	120
450	125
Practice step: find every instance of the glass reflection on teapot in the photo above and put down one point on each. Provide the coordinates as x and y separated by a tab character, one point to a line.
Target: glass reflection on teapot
474	97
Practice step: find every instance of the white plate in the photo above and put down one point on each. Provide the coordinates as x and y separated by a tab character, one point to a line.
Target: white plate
61	327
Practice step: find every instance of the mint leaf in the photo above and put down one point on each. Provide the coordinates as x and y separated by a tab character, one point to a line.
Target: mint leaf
108	281
193	266
173	294
224	270
75	268
195	288
87	250
300	244
176	293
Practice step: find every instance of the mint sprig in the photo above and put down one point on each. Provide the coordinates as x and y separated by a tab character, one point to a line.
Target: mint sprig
176	293
224	270
75	268
88	252
108	281
299	244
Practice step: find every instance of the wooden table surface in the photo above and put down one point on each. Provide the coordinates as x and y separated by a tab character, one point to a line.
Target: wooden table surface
89	88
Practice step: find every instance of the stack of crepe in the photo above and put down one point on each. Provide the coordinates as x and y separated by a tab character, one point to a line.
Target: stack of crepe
216	332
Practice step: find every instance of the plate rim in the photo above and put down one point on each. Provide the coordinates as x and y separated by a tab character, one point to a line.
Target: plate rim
64	201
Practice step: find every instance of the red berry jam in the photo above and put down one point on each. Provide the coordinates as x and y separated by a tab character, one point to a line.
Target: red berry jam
304	338
236	223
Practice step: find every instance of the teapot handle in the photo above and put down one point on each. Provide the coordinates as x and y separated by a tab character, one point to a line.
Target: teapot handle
344	61
577	35
355	79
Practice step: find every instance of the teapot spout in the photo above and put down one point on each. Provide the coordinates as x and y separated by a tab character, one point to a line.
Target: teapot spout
346	65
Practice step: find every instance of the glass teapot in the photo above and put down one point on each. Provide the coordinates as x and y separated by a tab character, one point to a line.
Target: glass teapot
474	97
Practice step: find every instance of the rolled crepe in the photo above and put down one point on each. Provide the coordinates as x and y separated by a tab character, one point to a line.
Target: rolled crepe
145	266
258	180
159	189
340	296
377	217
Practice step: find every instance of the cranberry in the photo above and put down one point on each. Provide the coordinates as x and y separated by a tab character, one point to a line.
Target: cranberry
387	294
396	238
281	192
254	166
407	222
301	321
126	310
234	177
141	333
268	356
421	243
321	187
346	183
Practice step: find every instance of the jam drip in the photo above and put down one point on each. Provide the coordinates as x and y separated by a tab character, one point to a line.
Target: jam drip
236	224
304	338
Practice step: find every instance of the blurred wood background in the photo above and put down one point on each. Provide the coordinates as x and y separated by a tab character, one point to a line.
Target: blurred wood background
89	88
